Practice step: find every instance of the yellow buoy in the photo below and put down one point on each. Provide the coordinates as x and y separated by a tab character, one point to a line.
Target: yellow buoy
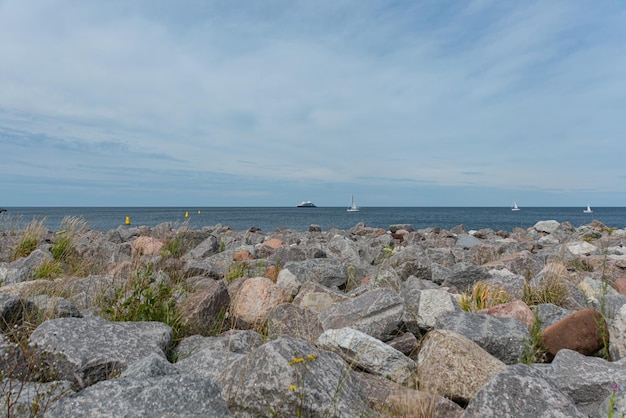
198	212
128	220
186	214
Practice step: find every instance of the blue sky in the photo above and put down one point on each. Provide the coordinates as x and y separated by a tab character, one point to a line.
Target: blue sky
268	103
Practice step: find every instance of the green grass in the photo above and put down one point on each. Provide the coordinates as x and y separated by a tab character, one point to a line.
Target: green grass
30	239
482	296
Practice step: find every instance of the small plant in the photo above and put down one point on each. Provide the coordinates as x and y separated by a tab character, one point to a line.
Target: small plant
300	364
611	412
49	269
552	289
603	308
482	296
146	296
235	271
175	247
534	351
31	237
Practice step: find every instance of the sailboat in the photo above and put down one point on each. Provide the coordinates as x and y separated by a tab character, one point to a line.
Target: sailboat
515	206
588	210
353	207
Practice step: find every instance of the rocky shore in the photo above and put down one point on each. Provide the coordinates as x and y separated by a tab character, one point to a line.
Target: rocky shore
365	322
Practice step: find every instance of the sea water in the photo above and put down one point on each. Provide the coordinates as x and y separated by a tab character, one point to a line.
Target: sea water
270	218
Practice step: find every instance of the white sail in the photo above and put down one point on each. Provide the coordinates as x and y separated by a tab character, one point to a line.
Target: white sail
353	207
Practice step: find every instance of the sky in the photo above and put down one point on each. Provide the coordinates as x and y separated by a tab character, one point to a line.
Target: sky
269	103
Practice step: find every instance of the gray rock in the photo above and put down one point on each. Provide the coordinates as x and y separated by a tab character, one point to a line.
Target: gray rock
405	343
316	297
547	226
464	275
613	405
24	268
161	396
367	353
617	335
295	321
13	309
30	399
520	391
289	377
235	341
329	272
587	380
51	307
503	338
467	241
87	350
411	261
377	313
206	248
153	365
549	314
433	304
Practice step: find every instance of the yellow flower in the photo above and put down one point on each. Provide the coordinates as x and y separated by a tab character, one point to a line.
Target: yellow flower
311	357
296	360
292	387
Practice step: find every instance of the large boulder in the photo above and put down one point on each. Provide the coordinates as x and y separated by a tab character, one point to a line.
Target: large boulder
316	297
587	380
204	310
329	272
87	350
377	313
367	353
522	392
255	300
295	321
289	377
503	338
451	365
582	331
13	309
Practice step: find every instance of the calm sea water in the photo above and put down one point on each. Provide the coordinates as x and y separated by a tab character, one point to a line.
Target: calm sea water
268	219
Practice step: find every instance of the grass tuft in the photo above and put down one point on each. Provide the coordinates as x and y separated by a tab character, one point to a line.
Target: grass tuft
482	296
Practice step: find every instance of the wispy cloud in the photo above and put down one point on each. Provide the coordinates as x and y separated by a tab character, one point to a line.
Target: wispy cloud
285	96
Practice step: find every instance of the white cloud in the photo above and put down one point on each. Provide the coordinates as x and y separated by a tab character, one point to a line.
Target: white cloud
522	95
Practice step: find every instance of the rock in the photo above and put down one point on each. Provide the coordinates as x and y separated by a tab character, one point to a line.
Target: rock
467	241
146	246
367	353
288	281
327	272
13	309
587	380
29	399
206	248
396	227
549	313
87	350
23	269
452	366
395	400
317	298
255	300
295	321
405	343
51	307
619	285
546	226
516	309
242	255
289	377
464	275
433	304
521	263
617	333
614	404
503	338
204	310
171	395
520	391
377	313
582	248
581	331
152	365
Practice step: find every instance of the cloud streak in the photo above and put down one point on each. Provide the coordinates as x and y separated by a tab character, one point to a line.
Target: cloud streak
270	103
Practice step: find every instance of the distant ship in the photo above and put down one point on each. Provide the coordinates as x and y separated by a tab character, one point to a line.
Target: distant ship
306	204
2	210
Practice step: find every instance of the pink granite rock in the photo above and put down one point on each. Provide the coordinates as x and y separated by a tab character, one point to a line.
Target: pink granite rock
147	246
256	299
620	285
517	309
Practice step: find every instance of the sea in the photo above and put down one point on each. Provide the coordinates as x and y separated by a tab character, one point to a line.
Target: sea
269	219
